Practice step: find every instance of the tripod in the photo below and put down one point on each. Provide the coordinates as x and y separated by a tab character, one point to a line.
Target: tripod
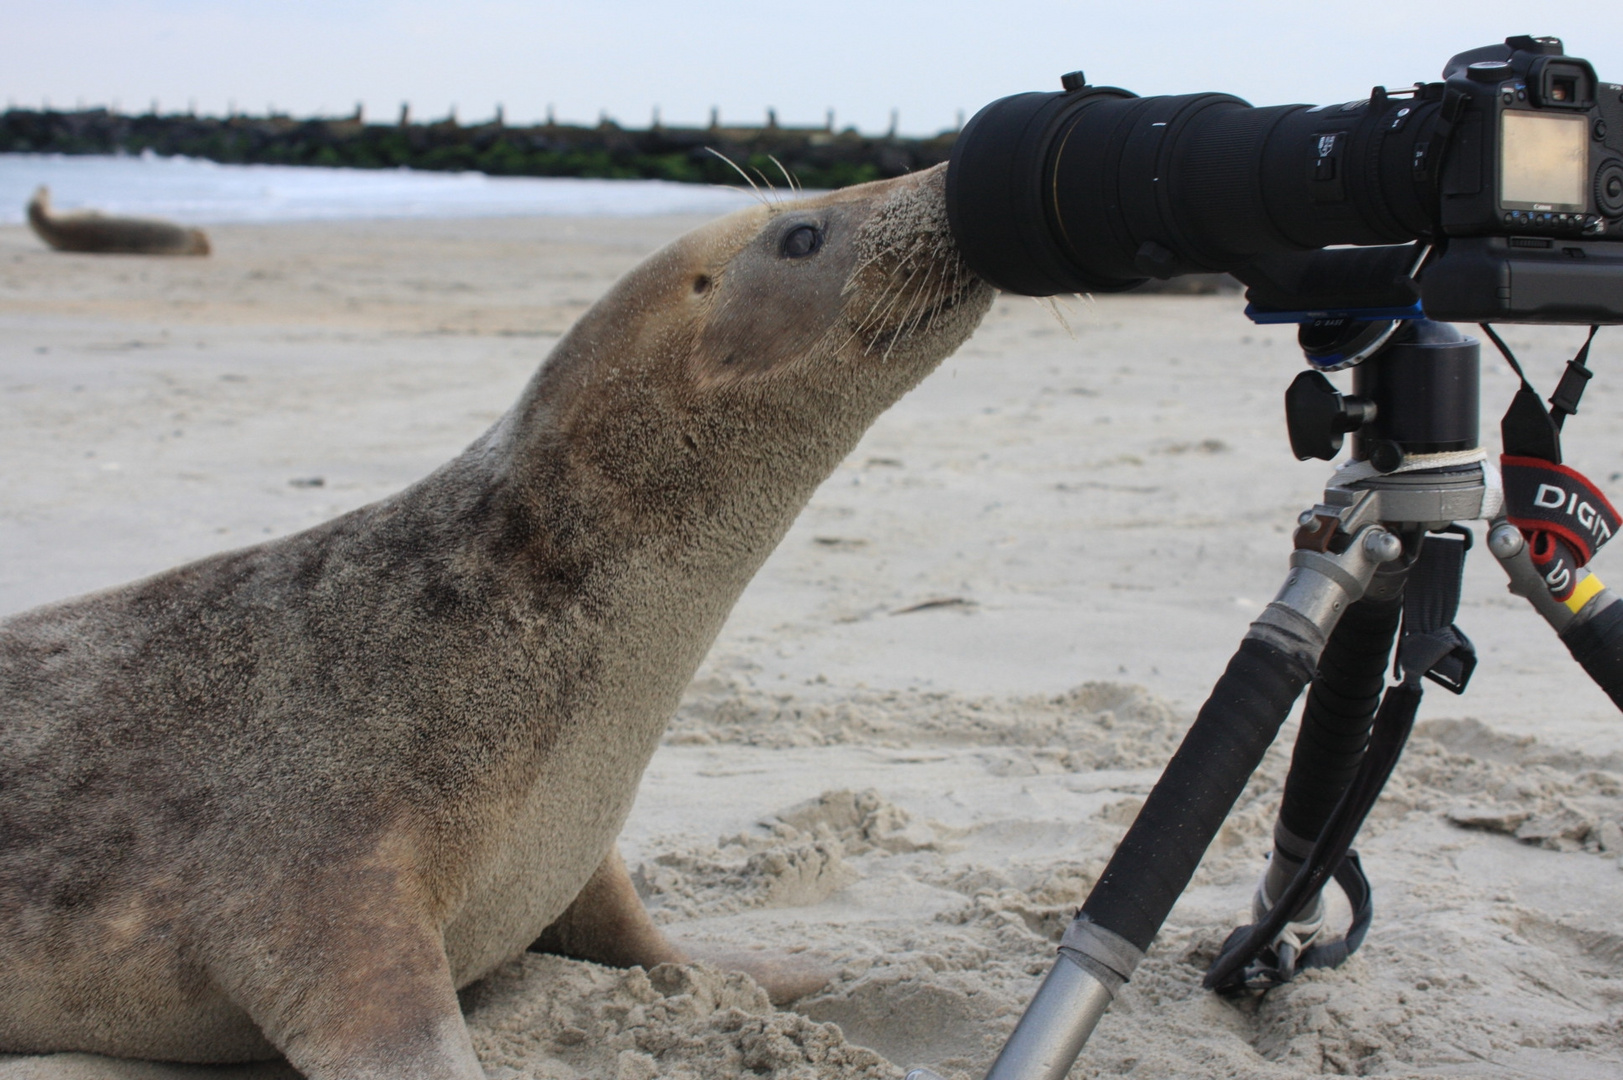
1375	569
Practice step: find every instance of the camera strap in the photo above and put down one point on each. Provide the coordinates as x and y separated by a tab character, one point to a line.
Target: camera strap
1564	516
1528	430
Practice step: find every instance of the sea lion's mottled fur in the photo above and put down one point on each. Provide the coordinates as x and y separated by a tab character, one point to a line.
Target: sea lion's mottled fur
96	233
290	798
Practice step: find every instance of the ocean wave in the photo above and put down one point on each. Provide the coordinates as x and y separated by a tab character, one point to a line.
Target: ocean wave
198	192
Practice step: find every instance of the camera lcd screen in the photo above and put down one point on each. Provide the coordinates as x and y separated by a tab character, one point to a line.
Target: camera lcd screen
1544	161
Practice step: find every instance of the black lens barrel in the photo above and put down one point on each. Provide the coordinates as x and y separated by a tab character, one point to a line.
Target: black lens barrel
1094	189
999	194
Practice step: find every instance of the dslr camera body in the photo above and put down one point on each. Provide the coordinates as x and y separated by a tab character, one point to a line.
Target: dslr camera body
1493	195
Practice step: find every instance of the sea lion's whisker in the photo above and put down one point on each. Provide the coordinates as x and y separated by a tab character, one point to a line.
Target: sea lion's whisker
927	248
895	296
771	189
858	326
1051	304
921	300
852	282
794	186
937	299
892	292
909	322
948	289
898	256
734	166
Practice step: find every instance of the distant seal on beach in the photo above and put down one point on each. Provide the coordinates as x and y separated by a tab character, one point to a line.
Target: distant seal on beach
291	798
90	231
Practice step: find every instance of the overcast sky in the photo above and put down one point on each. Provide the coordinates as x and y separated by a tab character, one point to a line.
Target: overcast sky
861	58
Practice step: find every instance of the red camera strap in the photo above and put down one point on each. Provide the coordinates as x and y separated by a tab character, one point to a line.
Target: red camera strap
1563	515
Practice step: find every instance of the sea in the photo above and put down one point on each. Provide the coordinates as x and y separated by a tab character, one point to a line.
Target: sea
196	192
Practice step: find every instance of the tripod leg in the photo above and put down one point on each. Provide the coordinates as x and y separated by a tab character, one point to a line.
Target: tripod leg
1288	911
1336	722
1590	621
1158	856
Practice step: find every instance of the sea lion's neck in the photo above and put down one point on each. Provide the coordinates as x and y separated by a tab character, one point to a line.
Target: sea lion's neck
603	463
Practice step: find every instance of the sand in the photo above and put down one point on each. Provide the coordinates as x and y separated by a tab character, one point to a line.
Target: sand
938	706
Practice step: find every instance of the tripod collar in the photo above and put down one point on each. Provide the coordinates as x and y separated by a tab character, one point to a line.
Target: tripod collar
1355	472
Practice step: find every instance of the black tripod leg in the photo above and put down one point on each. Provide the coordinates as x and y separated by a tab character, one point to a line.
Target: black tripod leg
1597	644
1235	727
1336	722
1336	784
1155	861
1420	654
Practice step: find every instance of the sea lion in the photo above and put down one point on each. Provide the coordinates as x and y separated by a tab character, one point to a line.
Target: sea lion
291	798
91	231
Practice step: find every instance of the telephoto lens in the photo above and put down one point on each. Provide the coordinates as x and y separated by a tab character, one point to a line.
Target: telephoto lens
1495	195
1096	189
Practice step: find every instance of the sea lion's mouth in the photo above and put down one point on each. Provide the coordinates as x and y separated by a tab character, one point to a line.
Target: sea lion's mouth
923	320
908	278
927	317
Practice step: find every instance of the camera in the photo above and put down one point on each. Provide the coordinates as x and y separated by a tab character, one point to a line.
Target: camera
1493	195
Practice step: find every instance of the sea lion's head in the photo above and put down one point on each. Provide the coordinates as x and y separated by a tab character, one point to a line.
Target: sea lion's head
745	359
867	281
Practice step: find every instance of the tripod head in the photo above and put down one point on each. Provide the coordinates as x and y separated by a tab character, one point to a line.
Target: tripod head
1417	392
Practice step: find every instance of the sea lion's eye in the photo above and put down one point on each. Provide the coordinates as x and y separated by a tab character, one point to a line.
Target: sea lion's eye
801	241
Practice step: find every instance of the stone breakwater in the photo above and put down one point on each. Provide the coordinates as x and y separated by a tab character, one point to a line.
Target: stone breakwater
818	157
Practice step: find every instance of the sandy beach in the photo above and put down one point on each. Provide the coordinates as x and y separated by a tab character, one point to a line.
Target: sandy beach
940	703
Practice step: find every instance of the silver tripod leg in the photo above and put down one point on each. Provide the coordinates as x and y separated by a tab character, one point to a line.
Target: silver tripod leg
1050	1035
1589	597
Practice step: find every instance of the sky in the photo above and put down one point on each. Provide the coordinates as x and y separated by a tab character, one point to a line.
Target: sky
927	61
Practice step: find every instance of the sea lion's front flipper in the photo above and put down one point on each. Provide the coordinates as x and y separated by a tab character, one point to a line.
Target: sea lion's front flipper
607	924
349	985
